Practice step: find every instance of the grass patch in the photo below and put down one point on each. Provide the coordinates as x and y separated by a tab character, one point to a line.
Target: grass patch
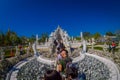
98	48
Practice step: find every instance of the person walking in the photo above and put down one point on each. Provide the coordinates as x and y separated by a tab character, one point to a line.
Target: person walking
52	75
113	47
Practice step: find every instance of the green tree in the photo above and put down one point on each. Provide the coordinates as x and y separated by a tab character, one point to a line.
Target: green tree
7	40
24	40
110	34
96	36
10	38
13	38
78	38
43	37
32	39
87	35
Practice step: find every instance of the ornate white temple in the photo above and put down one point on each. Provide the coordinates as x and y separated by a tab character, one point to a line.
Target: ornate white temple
58	34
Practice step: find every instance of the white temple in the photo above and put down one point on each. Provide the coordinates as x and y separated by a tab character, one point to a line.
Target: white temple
58	34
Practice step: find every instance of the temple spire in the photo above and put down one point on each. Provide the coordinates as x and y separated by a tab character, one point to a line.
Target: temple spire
58	28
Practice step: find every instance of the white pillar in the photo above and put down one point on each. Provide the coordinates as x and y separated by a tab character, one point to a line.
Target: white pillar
84	46
34	49
72	38
81	35
37	39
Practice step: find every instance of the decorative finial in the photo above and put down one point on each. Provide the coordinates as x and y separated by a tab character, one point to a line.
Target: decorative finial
58	26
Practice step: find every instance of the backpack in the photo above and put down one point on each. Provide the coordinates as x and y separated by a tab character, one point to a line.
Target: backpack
71	70
82	76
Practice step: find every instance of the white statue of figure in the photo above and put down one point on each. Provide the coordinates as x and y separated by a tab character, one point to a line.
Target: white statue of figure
93	42
81	35
34	49
37	38
84	46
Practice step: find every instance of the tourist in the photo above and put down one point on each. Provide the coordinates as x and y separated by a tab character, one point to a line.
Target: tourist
58	50
52	75
113	47
55	43
71	71
81	76
61	45
61	55
59	66
64	53
20	48
63	62
71	49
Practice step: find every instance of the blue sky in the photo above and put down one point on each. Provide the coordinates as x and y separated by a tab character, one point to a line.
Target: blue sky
27	17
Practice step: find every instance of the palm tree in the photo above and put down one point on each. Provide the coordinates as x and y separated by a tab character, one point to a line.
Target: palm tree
13	38
87	35
7	38
32	39
110	34
97	36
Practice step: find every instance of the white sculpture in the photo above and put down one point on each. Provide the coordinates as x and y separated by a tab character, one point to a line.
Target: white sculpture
34	49
93	42
37	39
81	35
84	46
